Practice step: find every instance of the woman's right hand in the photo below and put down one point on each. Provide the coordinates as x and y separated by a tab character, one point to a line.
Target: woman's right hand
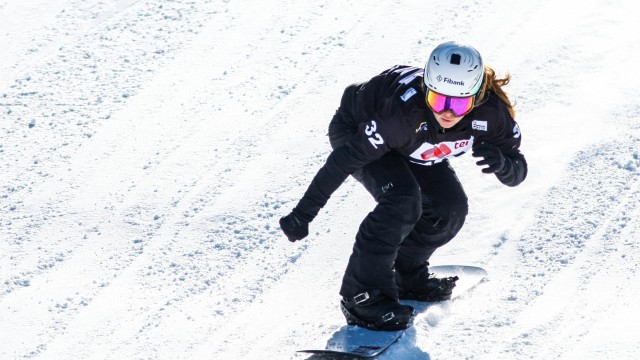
294	227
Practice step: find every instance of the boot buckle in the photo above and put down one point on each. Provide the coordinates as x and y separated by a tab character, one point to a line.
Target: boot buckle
388	316
360	298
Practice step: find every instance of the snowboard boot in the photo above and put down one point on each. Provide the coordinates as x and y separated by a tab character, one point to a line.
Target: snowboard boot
422	286
376	311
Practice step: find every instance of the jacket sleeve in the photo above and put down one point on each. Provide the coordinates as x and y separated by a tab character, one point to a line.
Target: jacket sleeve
366	146
377	114
515	170
508	140
506	135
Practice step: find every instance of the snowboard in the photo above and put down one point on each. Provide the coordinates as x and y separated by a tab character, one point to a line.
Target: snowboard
359	342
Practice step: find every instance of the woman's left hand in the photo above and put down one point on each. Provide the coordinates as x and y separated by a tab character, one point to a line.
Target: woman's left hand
492	156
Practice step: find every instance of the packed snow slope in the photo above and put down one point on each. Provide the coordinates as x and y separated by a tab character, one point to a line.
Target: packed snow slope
148	149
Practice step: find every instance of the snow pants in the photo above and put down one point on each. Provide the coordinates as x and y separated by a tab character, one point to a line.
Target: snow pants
419	209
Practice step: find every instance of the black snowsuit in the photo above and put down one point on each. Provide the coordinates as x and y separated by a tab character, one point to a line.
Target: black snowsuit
385	135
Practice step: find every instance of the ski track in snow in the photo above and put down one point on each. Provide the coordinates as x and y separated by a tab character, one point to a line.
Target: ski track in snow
147	150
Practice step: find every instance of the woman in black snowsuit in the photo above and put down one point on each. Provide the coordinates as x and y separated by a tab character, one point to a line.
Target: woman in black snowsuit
394	134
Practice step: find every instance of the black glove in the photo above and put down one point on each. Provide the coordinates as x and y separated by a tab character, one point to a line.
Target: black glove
294	227
491	155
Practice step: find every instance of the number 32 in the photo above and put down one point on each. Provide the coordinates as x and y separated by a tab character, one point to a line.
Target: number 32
374	138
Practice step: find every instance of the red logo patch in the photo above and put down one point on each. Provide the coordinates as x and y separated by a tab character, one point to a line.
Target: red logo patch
438	152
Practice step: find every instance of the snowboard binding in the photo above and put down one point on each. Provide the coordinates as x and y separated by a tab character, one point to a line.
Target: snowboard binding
434	289
375	311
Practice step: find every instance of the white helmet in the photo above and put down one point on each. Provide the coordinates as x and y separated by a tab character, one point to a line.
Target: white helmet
454	69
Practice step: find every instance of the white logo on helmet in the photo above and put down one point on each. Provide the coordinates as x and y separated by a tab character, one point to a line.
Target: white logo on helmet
453	82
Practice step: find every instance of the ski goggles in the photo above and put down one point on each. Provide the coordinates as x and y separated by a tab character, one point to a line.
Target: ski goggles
460	106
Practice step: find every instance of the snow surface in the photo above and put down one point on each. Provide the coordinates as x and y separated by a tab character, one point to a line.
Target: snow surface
148	149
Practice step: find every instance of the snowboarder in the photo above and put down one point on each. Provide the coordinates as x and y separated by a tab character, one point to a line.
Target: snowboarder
395	134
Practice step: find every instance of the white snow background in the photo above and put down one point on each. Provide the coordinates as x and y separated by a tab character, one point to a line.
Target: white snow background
148	149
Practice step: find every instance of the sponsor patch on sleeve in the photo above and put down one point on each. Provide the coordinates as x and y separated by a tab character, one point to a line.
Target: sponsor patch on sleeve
479	125
408	94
